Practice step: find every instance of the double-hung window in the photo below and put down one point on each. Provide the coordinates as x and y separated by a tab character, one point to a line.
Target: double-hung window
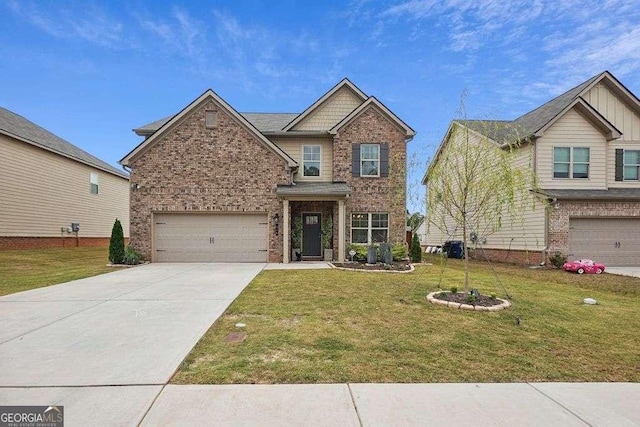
368	228
631	165
370	160
571	162
311	155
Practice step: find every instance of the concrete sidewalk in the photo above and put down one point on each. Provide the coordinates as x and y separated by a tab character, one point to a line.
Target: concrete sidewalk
522	404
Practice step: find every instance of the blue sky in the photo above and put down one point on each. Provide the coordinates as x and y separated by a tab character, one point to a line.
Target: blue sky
91	71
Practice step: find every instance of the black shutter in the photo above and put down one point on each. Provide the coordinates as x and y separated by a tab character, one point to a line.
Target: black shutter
384	159
355	159
619	164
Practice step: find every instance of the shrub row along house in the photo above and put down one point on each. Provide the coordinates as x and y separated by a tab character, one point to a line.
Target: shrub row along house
584	149
47	184
212	184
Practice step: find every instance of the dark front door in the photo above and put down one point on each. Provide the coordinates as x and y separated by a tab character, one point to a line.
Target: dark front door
311	243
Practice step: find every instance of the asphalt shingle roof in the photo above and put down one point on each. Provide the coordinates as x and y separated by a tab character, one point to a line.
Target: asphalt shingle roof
314	189
610	194
505	131
18	127
264	122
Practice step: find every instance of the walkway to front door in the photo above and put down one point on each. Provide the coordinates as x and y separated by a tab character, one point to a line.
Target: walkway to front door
311	239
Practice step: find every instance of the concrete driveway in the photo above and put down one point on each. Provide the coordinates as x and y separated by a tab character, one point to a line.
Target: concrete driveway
624	271
130	327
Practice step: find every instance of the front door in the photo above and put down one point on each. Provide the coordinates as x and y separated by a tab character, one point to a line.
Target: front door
311	242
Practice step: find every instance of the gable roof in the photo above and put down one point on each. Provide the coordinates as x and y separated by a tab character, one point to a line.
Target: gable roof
17	127
264	122
373	101
535	122
306	113
208	94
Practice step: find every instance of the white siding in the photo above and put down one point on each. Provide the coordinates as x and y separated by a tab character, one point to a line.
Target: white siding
293	147
330	112
572	130
615	110
40	192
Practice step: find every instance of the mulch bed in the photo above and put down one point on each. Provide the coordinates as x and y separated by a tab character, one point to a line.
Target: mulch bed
396	266
461	297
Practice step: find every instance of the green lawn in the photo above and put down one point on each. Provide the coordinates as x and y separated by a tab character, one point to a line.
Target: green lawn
326	326
21	270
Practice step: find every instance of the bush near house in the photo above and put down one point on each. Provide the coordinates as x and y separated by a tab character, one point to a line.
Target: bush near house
116	244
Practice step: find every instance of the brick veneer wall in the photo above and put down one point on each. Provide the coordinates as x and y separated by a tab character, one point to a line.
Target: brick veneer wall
192	168
325	209
559	217
11	242
508	256
385	194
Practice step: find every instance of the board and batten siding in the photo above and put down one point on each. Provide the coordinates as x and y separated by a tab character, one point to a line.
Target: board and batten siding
527	232
572	130
615	111
40	192
293	147
331	111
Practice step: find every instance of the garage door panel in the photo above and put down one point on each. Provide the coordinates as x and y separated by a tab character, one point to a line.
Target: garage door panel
612	241
210	238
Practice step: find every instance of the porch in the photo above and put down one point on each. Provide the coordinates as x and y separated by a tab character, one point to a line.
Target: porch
308	209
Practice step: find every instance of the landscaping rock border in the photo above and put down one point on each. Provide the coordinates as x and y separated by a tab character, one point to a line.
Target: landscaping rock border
374	271
432	299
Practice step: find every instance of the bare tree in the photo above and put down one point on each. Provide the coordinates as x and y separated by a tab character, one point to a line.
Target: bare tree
480	177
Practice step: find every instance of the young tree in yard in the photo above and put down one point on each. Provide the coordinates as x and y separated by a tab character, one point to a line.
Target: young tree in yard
479	176
116	244
416	249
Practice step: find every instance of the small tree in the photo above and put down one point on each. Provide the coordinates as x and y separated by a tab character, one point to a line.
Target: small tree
480	176
116	244
416	249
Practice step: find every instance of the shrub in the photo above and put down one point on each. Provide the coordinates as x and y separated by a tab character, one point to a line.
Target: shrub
416	249
471	298
361	252
454	290
399	251
116	244
131	256
557	259
493	295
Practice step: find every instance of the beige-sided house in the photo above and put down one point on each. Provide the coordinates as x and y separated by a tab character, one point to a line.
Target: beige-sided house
212	184
584	148
47	184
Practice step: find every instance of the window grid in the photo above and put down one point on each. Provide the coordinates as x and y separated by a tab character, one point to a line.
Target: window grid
94	183
368	228
311	156
631	171
370	160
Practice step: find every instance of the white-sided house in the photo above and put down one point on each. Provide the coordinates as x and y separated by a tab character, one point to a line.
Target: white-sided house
584	148
421	231
47	184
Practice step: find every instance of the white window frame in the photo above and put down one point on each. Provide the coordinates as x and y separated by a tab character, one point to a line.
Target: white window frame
362	160
626	165
210	118
369	227
94	181
319	161
571	163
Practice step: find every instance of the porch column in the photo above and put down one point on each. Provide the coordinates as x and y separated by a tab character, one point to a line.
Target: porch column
285	231
341	230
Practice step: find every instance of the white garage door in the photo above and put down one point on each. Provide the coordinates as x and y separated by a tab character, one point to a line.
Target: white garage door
210	238
611	241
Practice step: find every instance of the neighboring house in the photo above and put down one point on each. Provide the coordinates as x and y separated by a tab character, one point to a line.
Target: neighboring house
584	147
421	231
212	184
46	184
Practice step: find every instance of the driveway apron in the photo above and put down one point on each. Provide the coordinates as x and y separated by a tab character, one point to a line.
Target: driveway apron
130	327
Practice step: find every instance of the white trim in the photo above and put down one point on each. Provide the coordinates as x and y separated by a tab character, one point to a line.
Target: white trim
370	160
310	177
370	227
410	133
571	162
208	94
624	165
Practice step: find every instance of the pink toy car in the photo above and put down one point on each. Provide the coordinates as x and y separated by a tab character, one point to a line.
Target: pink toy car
583	266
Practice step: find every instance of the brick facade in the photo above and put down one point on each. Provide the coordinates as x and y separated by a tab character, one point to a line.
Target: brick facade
192	168
566	209
326	209
384	194
508	256
10	243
